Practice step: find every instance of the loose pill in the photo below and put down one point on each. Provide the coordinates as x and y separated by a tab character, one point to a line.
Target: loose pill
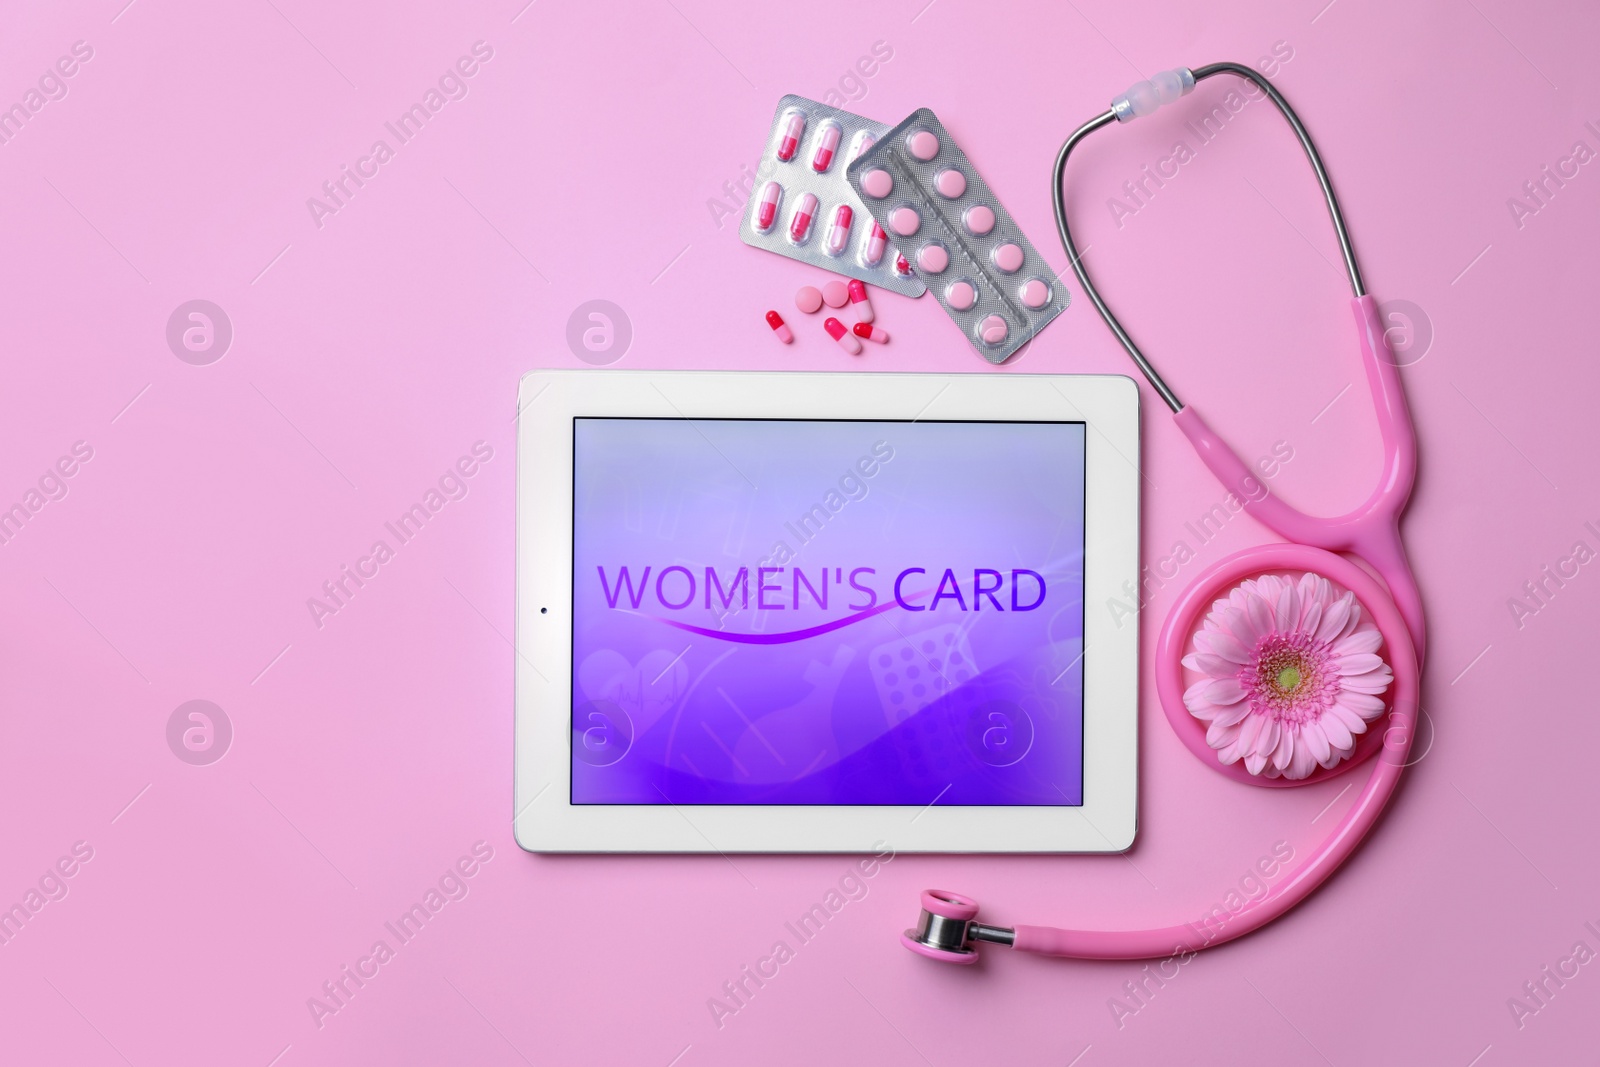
979	219
904	221
858	297
767	209
800	224
839	232
846	339
923	145
877	184
992	329
835	294
877	244
779	327
869	332
1008	257
789	143
808	299
932	258
961	295
1036	294
950	183
822	158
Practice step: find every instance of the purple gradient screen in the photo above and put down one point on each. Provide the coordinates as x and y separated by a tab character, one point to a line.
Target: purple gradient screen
827	612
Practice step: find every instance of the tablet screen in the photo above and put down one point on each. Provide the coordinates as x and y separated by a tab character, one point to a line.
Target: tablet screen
827	612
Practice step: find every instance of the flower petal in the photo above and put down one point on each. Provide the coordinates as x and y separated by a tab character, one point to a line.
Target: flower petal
1206	663
1249	729
1224	644
1360	663
1337	733
1260	615
1300	764
1236	622
1287	615
1232	714
1284	754
1362	640
1311	619
1349	717
1315	741
1371	682
1225	691
1365	705
1334	616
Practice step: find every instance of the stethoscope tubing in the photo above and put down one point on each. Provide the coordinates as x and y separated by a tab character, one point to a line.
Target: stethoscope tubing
1370	534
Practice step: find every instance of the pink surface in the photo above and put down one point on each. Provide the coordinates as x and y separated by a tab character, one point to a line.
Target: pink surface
373	341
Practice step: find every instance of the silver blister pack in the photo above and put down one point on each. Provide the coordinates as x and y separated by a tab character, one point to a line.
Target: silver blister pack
803	207
921	188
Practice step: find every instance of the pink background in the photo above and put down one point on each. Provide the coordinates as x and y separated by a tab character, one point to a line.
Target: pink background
369	353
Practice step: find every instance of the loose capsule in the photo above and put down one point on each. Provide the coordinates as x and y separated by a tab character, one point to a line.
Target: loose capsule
846	339
779	327
858	296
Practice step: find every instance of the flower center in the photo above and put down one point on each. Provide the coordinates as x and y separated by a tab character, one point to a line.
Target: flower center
1290	680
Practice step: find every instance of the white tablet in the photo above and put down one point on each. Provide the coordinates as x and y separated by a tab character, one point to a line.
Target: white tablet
802	612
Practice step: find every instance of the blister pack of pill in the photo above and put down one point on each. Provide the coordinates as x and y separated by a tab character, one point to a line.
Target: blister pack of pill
919	185
803	207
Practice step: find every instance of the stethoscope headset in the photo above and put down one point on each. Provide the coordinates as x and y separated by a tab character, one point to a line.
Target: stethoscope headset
947	929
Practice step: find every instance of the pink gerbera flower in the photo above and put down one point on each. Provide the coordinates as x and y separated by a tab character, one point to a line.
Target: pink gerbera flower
1291	675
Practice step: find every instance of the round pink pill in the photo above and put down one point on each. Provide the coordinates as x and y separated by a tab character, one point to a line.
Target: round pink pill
1008	257
961	295
836	294
808	299
932	258
950	183
979	219
923	145
904	221
1036	294
992	329
877	183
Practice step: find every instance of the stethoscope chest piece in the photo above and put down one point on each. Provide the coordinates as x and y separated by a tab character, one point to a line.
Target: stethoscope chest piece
945	930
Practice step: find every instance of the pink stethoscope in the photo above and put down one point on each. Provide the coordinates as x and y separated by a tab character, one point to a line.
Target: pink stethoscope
947	929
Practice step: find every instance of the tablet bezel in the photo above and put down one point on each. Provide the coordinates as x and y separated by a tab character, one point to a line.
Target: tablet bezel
544	819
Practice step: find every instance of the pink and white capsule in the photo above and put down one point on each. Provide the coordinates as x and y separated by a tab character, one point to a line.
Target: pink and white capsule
792	132
877	245
863	146
767	209
870	332
858	297
839	232
822	159
846	339
780	327
800	224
